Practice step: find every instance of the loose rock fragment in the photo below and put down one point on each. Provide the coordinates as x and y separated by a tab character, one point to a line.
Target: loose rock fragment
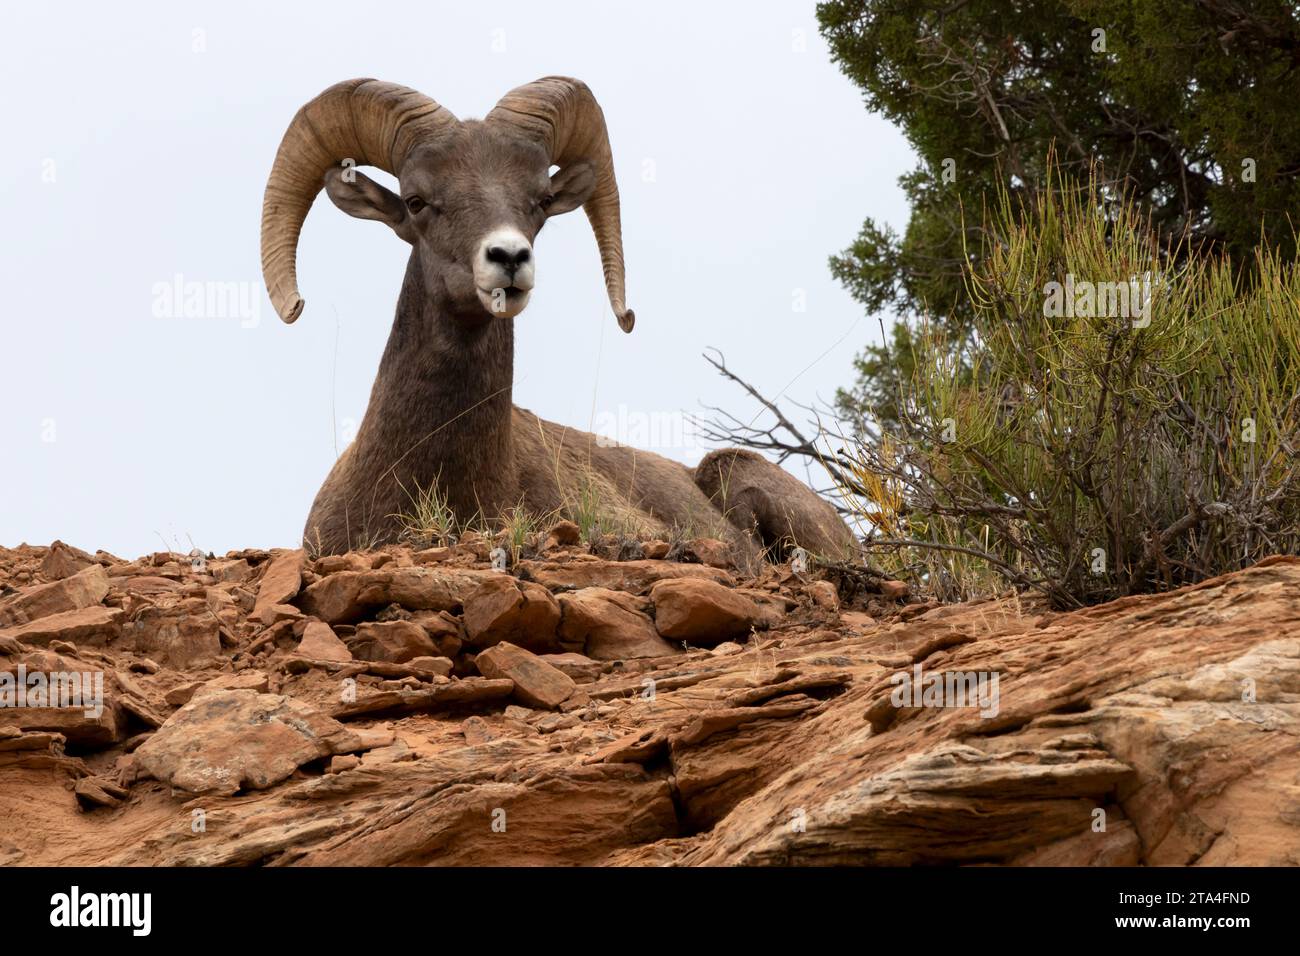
84	589
702	612
393	641
502	608
537	684
610	625
89	625
280	582
320	643
226	740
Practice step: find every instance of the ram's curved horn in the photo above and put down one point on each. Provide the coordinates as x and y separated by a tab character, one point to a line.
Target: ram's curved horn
368	122
561	114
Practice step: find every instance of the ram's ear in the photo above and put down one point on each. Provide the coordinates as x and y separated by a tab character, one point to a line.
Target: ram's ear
571	186
360	196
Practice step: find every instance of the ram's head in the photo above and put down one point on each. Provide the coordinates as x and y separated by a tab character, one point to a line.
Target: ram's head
472	196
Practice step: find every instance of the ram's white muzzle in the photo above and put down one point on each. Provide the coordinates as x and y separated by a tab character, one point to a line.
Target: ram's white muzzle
504	272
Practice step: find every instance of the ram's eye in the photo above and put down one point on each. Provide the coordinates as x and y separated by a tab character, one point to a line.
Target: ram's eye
414	203
545	202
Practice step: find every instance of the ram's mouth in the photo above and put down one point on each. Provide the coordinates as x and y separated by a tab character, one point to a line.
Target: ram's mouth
504	302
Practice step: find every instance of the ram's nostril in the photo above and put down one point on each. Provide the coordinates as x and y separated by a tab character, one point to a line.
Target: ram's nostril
508	259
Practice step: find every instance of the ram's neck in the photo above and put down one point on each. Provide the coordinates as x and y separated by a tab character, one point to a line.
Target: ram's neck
442	400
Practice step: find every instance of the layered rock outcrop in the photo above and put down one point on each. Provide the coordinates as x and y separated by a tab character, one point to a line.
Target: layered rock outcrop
419	707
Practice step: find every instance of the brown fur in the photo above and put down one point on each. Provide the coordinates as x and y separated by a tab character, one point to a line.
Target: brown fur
754	493
440	410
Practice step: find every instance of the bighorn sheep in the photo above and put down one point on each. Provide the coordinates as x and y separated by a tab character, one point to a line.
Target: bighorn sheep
474	195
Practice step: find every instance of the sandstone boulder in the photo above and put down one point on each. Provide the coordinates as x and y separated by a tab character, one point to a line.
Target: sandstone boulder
702	612
710	551
81	726
89	625
655	549
281	581
254	680
182	635
393	641
344	597
46	691
148	584
443	628
635	577
476	731
232	571
610	625
824	595
894	590
84	589
13	740
440	666
578	666
562	534
537	684
93	792
225	740
319	643
502	608
63	561
333	563
272	614
432	555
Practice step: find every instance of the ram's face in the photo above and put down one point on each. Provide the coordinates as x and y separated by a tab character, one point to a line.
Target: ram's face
475	202
471	204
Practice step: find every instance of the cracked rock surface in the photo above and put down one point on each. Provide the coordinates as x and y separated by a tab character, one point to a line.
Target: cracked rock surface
642	712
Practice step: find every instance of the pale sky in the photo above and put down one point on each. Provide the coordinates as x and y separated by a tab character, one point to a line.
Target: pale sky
138	146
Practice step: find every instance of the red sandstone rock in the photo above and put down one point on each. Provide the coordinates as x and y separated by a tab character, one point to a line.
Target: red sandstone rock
280	582
610	625
562	534
537	683
63	561
226	740
345	596
319	643
89	625
84	589
702	612
655	549
502	608
894	590
635	577
392	641
708	551
182	635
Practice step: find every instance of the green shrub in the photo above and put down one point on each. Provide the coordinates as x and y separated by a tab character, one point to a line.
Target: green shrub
1093	452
